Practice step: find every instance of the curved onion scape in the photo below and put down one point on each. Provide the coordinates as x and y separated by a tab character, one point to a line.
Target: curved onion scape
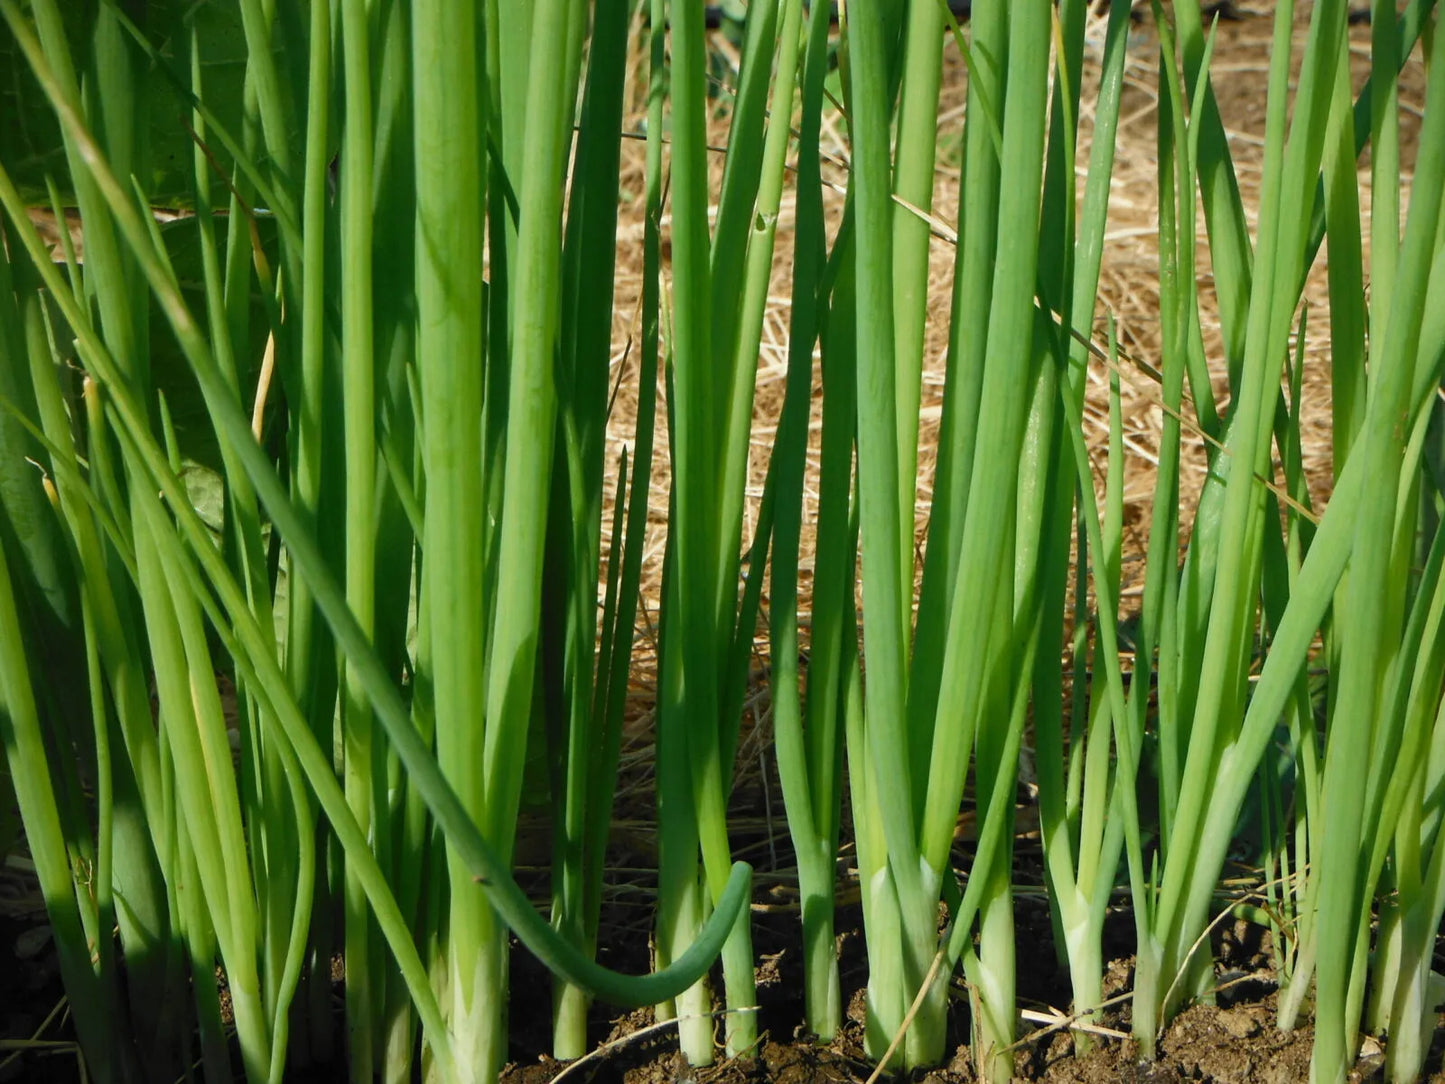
321	587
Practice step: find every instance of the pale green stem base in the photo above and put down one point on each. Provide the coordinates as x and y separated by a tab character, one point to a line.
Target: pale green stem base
898	960
398	1047
479	1029
885	968
441	984
692	1009
251	1027
991	974
1291	999
694	1024
1413	1020
926	1039
741	988
569	1021
1086	976
1147	992
1389	949
1406	998
1154	983
822	996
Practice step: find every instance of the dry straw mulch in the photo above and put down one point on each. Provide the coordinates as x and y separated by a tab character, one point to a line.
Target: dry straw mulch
1128	288
1128	291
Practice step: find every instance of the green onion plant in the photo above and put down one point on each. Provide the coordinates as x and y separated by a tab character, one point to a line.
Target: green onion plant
808	734
304	596
1261	577
955	684
420	510
720	281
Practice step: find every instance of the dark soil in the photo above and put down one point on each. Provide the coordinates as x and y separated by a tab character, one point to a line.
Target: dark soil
1234	1041
31	1002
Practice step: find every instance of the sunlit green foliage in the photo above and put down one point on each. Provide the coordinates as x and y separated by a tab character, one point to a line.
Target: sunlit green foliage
313	558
